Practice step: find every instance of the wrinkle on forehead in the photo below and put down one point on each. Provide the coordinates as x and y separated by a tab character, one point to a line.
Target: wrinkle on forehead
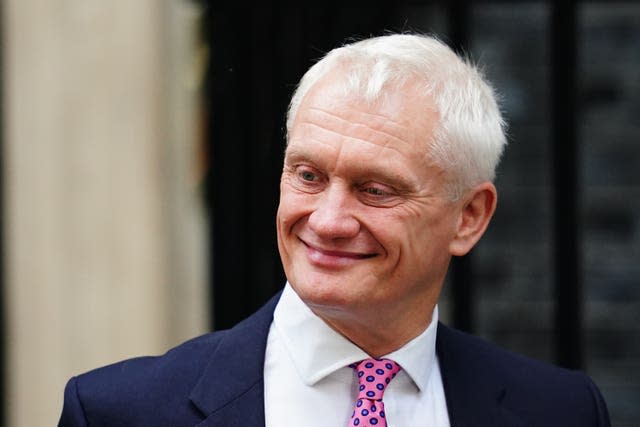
368	125
354	125
402	121
404	113
327	136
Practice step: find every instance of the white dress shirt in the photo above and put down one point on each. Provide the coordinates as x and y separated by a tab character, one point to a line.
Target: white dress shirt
308	381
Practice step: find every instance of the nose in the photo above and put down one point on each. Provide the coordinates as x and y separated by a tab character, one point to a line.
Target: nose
333	216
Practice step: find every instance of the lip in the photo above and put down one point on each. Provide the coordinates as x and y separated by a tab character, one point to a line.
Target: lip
333	258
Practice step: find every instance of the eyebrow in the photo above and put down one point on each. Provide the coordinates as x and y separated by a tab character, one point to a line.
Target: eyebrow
296	155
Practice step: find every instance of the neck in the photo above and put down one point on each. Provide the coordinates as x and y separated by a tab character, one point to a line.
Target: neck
379	335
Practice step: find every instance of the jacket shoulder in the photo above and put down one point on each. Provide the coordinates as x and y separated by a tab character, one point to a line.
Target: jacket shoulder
177	365
528	387
460	347
167	389
141	389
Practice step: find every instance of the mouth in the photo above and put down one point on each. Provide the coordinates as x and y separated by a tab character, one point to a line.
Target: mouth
334	258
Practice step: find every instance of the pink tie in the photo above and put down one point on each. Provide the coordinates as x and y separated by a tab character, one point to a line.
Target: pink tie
373	376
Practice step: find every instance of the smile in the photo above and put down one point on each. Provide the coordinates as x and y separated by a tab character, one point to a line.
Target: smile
333	258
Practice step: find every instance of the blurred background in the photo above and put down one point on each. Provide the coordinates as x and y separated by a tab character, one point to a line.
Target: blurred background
141	149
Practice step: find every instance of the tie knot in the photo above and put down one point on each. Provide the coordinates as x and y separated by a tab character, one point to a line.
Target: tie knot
374	375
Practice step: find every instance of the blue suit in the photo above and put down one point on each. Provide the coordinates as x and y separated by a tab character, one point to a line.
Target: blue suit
217	381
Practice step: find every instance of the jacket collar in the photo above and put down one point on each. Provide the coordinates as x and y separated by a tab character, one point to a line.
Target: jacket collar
230	391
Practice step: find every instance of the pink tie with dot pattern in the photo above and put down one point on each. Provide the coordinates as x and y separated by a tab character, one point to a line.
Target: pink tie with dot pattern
373	376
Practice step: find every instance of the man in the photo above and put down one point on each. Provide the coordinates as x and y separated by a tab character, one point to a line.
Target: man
391	152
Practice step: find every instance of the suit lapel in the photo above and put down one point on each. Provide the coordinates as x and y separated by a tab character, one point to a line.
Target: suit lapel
230	391
473	393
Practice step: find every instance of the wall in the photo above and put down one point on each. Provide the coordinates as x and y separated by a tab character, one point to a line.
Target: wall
105	236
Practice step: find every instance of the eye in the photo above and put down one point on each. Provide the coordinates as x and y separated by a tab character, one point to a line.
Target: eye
306	178
307	175
375	191
380	195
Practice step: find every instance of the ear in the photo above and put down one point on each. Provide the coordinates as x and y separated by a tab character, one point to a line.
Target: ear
477	209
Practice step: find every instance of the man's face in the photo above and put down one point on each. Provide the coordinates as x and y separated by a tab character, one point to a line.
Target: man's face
363	225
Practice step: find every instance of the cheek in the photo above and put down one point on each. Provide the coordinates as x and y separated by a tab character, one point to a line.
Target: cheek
292	208
286	219
416	237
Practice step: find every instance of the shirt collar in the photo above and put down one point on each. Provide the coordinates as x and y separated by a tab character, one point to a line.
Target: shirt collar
317	350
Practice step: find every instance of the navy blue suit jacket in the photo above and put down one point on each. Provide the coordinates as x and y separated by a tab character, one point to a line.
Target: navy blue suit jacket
216	380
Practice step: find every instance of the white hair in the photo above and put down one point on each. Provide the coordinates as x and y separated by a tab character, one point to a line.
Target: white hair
469	139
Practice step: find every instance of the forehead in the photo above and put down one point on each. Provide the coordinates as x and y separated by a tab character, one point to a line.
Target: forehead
399	120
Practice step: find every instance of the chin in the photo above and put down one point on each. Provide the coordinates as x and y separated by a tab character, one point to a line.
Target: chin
321	290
